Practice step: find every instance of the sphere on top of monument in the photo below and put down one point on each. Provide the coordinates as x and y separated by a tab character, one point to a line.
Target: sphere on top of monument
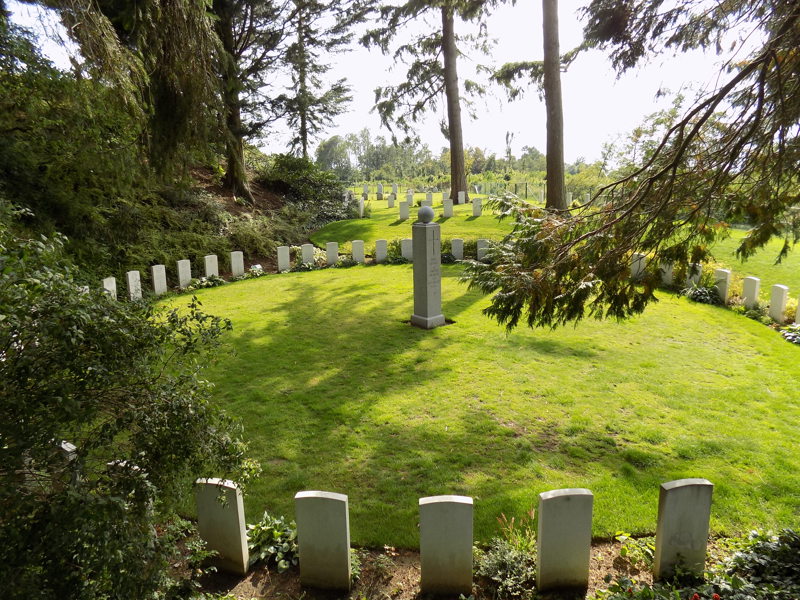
425	214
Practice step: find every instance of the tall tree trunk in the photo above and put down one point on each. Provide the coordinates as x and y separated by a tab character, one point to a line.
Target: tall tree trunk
302	90
556	198
235	174
458	174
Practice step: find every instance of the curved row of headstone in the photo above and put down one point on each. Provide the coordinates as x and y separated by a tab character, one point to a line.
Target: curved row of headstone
158	275
722	277
564	535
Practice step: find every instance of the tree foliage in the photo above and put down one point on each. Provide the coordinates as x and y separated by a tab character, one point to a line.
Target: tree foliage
734	154
122	384
320	29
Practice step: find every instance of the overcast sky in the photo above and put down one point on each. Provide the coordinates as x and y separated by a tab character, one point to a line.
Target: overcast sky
598	107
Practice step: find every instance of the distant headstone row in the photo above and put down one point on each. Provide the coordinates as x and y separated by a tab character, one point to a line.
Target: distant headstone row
722	279
564	535
358	254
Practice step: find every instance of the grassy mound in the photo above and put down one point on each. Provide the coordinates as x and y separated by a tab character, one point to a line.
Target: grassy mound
338	393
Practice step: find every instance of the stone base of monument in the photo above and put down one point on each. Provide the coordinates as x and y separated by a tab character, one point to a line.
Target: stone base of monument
427	322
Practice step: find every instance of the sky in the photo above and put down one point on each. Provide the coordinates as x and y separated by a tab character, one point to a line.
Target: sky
598	106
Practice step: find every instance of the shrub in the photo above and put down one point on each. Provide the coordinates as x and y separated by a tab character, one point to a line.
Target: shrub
639	552
791	333
274	541
510	572
308	188
702	294
122	383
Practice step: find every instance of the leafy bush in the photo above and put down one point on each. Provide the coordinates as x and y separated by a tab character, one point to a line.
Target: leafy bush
205	282
702	294
308	188
121	382
520	534
510	572
273	540
791	333
448	258
766	567
394	253
345	262
640	552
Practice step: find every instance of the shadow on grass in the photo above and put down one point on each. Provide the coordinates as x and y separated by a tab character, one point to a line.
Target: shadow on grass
471	218
397	222
311	381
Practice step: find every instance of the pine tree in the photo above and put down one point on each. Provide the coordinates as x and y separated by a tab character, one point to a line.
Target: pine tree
432	73
319	29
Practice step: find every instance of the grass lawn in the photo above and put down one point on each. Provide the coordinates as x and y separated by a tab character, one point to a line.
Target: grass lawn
385	224
337	393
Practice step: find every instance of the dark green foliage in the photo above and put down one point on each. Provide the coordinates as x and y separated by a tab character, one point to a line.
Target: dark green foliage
791	333
448	258
702	294
771	561
122	383
305	187
765	568
510	572
273	540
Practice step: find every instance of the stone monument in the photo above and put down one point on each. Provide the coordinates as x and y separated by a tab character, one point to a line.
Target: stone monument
427	244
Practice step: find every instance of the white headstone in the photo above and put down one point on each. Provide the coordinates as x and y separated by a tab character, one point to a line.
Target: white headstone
477	207
237	263
445	544
308	253
323	539
684	511
380	191
666	273
445	196
390	201
722	278
159	275
777	302
221	524
110	287
429	198
365	190
638	264
410	198
457	248
482	246
394	189
284	263
448	208
332	252
361	206
381	248
564	539
750	289
134	282
427	244
407	249
462	197
404	211
184	273
693	273
358	251
211	265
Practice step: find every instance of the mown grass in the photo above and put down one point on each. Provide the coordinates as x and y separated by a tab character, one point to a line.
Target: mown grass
337	392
